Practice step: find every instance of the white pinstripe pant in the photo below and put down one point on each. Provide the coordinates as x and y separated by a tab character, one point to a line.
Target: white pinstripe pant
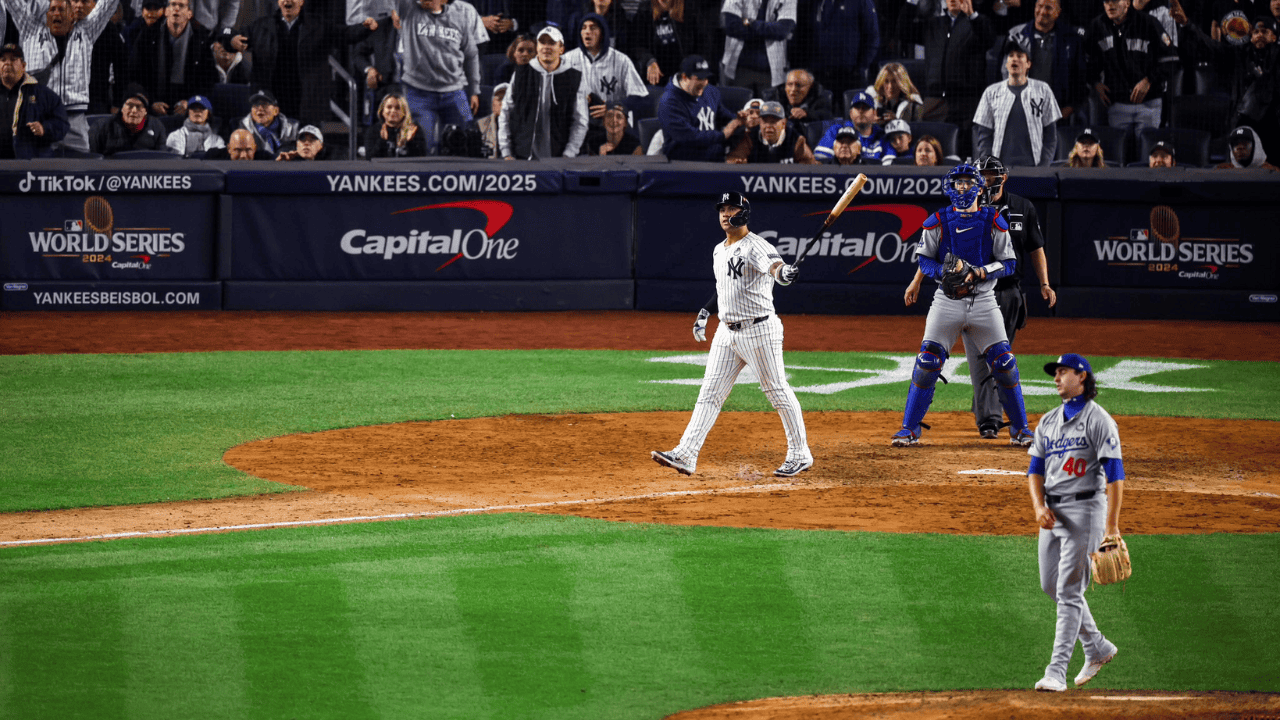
758	347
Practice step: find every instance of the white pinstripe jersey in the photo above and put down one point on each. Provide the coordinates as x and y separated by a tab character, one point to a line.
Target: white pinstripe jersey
70	78
744	287
1073	449
1038	103
611	75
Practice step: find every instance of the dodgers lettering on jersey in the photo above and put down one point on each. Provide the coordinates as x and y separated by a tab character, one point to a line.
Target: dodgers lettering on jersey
744	287
1073	450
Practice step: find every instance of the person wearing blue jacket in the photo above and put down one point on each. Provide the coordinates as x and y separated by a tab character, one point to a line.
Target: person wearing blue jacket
689	111
33	115
848	42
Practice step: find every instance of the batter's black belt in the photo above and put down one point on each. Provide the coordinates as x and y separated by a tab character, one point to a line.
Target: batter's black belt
745	323
1064	498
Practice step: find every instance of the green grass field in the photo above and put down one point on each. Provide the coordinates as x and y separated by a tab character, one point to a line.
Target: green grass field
547	617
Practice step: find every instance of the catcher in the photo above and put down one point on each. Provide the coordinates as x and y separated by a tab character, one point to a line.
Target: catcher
1077	486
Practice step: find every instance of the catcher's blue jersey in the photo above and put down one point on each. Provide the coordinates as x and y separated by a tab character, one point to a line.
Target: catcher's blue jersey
981	238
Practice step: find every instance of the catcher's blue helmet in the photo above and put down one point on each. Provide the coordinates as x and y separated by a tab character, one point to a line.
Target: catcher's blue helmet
962	200
733	199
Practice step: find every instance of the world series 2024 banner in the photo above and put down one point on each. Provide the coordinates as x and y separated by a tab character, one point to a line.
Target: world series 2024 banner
431	238
1217	247
108	237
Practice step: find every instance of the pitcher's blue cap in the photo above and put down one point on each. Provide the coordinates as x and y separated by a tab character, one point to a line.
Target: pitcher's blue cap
1071	360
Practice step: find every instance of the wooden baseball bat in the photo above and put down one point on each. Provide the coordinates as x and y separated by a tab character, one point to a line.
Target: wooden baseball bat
849	194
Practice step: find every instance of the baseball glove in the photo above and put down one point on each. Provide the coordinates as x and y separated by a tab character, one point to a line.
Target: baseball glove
958	277
1111	562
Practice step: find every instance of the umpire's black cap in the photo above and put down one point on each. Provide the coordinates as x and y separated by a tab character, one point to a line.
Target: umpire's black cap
1070	360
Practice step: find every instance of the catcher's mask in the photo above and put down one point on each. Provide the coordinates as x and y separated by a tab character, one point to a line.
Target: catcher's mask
733	199
963	199
991	164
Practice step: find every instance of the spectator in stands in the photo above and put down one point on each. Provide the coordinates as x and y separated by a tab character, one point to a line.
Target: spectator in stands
689	112
1017	118
607	73
499	22
214	14
33	115
310	146
241	146
373	64
777	140
617	138
928	151
1246	151
58	52
663	34
955	53
862	117
291	49
196	135
521	51
1256	83
1232	21
172	60
108	67
847	43
1086	152
1007	13
898	134
150	13
846	149
750	113
271	129
544	114
1162	12
1161	155
755	45
1130	60
615	18
489	123
804	99
397	135
895	95
231	66
1056	51
441	71
132	129
479	35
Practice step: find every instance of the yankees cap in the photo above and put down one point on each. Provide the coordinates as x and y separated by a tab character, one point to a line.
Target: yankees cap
1070	360
896	125
696	66
1163	146
552	32
772	109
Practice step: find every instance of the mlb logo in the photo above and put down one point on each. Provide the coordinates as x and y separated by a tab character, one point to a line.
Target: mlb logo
1015	226
1139	235
72	225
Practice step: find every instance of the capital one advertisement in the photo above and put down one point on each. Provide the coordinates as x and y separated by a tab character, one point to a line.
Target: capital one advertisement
1169	246
431	238
108	237
868	243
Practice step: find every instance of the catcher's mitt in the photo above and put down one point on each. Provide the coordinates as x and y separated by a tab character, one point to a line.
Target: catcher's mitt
1111	562
958	277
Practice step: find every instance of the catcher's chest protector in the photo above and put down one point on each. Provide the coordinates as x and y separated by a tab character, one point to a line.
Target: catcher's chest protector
967	237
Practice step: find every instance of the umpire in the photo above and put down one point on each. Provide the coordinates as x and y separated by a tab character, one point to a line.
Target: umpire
1028	245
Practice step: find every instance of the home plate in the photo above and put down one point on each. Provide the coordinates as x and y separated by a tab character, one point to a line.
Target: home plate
991	471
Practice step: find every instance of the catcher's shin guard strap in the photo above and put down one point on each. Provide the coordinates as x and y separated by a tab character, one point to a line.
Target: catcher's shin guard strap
1004	368
928	365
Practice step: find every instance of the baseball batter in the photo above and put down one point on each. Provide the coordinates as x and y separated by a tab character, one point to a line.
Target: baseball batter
1076	448
750	335
977	240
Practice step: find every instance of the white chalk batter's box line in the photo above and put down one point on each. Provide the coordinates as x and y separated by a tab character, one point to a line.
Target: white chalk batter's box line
433	513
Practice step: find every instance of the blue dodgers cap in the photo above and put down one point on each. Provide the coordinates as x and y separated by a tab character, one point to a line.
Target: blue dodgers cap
201	101
1071	360
863	98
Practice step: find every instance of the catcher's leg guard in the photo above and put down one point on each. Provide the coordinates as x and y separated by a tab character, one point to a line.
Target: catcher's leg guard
1004	368
923	378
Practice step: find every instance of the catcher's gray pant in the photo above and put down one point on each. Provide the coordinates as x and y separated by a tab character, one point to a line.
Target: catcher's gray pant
1064	576
758	347
986	406
977	316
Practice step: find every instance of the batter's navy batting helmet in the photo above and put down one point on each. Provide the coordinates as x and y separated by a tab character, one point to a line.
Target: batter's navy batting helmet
733	199
992	164
962	200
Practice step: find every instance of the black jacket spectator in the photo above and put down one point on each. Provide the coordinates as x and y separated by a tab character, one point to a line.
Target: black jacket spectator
1121	55
619	25
525	94
110	60
30	102
376	147
150	62
817	103
955	62
115	136
666	39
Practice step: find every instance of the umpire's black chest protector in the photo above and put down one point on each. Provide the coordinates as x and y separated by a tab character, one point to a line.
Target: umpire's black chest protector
1022	218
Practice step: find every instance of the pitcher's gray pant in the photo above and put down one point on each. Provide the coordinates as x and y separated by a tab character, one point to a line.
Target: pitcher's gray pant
1064	576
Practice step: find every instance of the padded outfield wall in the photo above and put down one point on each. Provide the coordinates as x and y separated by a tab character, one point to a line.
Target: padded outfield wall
593	234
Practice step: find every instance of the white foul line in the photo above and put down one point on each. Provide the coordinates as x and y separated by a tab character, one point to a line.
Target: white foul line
396	516
1144	698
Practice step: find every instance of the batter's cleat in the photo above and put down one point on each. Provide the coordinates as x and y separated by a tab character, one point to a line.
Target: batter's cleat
905	438
670	460
1051	684
989	432
1022	438
1091	667
792	468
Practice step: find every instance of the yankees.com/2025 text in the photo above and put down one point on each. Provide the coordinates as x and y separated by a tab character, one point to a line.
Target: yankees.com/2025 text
448	183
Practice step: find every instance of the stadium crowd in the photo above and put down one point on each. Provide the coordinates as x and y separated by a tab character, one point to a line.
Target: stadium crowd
1083	83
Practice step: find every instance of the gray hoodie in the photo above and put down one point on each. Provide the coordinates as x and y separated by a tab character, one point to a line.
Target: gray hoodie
439	49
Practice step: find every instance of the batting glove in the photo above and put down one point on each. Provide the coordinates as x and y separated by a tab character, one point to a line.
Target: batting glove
700	326
787	274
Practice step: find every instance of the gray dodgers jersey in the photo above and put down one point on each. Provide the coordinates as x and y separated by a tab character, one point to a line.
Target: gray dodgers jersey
1001	250
1073	450
744	287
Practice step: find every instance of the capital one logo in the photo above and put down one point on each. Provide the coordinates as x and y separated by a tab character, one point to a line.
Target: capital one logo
455	243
